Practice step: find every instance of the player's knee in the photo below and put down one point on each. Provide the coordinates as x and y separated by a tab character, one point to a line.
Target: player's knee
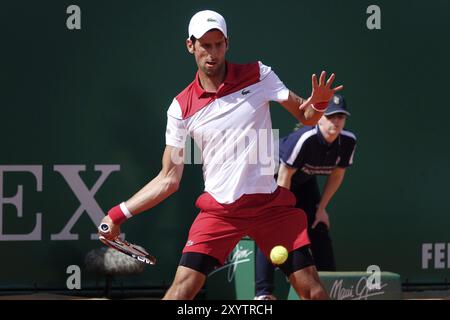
312	292
318	293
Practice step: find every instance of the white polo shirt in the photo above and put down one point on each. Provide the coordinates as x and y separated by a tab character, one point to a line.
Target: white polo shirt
232	128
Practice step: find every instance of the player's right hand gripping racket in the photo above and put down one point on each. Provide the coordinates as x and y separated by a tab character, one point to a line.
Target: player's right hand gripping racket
125	247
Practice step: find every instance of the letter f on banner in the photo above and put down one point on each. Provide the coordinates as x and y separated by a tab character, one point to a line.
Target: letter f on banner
71	175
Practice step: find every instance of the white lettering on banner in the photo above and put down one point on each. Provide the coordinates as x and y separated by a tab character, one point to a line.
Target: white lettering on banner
239	256
70	173
359	292
17	201
438	253
374	280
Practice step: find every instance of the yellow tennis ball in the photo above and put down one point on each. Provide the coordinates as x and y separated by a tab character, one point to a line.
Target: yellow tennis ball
278	255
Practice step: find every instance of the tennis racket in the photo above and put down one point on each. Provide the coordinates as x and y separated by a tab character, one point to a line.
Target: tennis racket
125	247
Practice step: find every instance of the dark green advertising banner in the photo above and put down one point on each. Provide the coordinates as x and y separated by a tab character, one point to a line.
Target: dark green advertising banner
85	87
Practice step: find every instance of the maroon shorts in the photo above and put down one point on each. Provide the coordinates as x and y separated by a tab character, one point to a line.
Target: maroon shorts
269	219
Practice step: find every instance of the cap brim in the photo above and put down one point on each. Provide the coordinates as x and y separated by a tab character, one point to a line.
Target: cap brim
337	111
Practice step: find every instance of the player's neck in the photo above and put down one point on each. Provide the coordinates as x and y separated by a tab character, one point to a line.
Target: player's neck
212	83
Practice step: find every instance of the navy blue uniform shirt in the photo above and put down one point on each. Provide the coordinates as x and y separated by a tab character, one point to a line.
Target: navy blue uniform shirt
307	150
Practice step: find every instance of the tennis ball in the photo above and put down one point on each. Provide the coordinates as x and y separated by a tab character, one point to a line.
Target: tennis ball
278	255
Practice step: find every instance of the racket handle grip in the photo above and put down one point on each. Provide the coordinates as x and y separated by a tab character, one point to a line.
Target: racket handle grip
104	228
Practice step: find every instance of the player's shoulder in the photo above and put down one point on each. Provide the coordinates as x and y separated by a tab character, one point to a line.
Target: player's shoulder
175	110
183	101
264	70
186	91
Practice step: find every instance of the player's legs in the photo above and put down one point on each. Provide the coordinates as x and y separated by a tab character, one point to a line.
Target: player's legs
283	224
212	236
302	274
264	275
191	275
307	284
186	285
287	216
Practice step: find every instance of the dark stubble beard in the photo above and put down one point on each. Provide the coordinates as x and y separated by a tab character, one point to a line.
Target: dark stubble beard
214	72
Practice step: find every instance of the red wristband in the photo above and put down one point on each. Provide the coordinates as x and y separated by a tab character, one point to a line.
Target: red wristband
320	106
119	214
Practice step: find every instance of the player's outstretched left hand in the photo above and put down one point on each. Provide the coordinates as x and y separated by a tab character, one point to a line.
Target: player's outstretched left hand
321	91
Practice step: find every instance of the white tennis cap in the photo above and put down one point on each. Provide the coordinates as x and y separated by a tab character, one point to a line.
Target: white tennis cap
205	20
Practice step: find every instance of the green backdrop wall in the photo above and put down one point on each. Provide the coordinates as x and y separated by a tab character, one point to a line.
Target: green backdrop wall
71	100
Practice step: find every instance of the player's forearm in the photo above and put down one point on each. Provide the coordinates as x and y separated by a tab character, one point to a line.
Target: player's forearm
311	115
165	183
153	193
301	109
332	184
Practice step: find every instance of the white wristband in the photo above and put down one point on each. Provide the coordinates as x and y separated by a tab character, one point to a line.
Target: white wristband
125	210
